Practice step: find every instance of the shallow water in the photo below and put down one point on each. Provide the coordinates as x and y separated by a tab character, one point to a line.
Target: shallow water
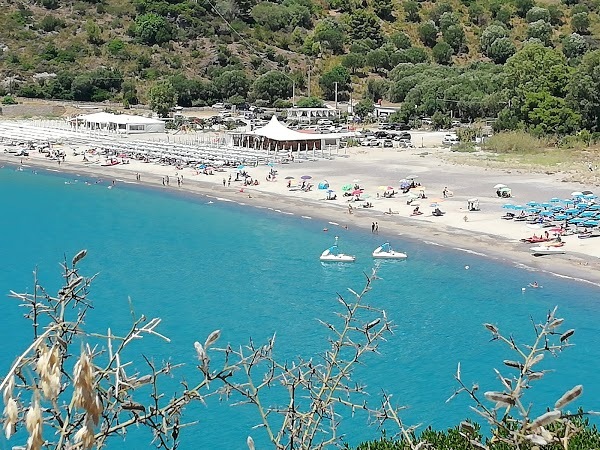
252	273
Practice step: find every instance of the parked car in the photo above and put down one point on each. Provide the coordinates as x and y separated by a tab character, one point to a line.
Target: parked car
388	143
371	142
450	139
400	126
324	122
403	137
218	105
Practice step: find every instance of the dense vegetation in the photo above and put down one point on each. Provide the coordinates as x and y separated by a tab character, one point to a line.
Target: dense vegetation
530	65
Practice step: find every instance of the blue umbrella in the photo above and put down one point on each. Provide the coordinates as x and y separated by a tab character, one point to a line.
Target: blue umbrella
546	213
577	220
202	166
591	223
590	196
568	201
582	206
532	210
588	214
571	211
532	203
557	208
555	200
270	164
518	207
240	167
508	206
594	208
561	217
546	205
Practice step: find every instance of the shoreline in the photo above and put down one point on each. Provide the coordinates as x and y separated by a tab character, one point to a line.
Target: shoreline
577	266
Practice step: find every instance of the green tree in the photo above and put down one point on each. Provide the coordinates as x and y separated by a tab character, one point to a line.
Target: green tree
584	90
536	13
455	37
272	86
580	23
413	55
50	23
130	94
556	15
447	20
540	30
116	47
440	121
574	45
162	98
383	9
522	6
270	15
428	33
501	49
364	108
232	82
353	61
400	40
438	11
411	10
330	35
378	59
310	102
152	29
377	89
327	81
363	25
504	15
442	53
82	88
545	114
477	14
489	35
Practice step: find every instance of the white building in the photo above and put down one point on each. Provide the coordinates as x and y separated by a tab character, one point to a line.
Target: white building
118	123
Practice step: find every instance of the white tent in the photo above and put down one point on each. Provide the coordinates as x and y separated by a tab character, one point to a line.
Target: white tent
121	123
276	131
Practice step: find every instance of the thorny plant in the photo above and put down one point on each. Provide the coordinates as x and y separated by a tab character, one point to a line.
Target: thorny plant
511	421
70	388
315	390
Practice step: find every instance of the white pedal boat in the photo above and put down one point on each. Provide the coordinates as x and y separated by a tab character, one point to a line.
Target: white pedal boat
333	255
542	250
385	252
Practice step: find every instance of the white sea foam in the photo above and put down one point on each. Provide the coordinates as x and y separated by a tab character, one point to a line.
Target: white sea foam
433	243
306	217
333	223
222	199
469	251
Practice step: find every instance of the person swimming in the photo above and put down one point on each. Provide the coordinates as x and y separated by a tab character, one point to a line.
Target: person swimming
534	284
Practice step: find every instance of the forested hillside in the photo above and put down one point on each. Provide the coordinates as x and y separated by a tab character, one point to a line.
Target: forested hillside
532	65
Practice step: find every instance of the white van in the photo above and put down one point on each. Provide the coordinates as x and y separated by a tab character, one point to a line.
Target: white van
324	122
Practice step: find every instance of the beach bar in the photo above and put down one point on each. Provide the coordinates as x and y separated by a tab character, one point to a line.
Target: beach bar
118	123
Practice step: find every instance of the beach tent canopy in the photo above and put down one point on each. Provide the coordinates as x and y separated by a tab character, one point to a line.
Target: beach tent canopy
123	123
276	131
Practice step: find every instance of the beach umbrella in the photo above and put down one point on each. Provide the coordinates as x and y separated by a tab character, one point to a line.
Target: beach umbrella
270	164
240	167
561	217
289	178
546	213
508	206
577	220
357	192
518	207
500	186
412	177
581	206
571	211
384	188
557	208
306	177
576	194
346	187
532	203
588	214
356	180
568	201
366	195
591	223
545	205
589	196
532	210
554	200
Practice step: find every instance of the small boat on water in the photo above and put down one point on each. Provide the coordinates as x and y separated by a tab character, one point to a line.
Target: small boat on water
385	251
332	254
542	250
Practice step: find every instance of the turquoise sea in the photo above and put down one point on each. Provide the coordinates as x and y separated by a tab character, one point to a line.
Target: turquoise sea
202	266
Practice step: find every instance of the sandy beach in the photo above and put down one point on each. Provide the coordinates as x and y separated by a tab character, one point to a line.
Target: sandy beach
482	232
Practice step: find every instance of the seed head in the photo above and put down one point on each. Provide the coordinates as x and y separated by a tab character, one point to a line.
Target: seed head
569	396
545	419
11	416
250	443
566	335
33	423
212	338
499	398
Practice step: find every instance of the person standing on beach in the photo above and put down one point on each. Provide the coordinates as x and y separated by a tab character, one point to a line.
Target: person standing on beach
376	228
167	180
224	182
163	180
373	227
445	192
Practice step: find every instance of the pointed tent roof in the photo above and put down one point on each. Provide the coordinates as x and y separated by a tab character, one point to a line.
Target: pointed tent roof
276	131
